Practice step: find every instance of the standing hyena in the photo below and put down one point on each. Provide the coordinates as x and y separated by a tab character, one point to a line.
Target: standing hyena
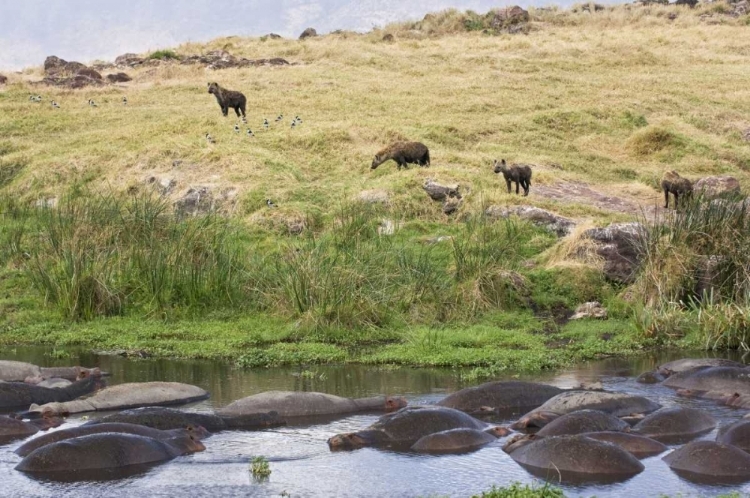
228	98
403	153
518	173
673	183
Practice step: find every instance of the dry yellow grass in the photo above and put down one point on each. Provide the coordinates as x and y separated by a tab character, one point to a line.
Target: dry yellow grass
585	97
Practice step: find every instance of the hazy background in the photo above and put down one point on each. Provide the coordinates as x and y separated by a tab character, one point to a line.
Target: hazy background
85	30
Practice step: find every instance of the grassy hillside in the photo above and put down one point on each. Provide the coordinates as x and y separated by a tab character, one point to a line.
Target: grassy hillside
611	99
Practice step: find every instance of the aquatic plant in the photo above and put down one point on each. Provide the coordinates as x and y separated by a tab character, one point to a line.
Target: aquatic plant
260	468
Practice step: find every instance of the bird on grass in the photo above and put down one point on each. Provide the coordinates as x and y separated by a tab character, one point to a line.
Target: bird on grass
210	139
270	203
55	105
250	133
294	124
236	128
124	101
35	98
92	103
298	119
265	123
279	117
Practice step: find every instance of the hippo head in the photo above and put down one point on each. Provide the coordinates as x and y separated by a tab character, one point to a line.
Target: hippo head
354	440
393	403
85	373
497	431
197	431
48	421
186	444
535	419
498	167
518	441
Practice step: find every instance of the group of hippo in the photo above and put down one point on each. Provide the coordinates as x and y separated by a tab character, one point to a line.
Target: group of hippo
571	435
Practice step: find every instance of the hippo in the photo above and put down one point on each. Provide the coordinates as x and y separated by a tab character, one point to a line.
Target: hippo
14	395
710	462
124	396
583	421
18	371
158	417
650	378
197	432
685	365
617	404
505	398
736	434
54	383
639	446
575	458
675	425
458	440
404	428
13	428
717	380
107	451
305	405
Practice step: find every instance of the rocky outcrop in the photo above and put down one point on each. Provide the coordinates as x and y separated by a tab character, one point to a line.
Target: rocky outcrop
3	79
200	199
221	59
717	186
618	245
560	225
129	60
308	33
438	192
510	20
388	38
118	78
59	72
591	309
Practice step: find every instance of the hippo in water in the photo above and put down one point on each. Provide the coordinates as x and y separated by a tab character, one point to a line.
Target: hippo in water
575	459
458	440
583	421
675	425
728	380
617	404
163	418
404	428
736	434
197	432
290	405
109	451
18	371
14	395
13	428
123	396
710	462
685	365
638	446
505	398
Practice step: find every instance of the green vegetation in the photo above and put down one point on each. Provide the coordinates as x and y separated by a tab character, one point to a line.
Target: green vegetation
98	250
518	490
260	468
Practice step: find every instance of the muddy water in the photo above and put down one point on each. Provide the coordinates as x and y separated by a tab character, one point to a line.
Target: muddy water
300	461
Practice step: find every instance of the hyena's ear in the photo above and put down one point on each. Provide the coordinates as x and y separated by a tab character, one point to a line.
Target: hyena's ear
502	162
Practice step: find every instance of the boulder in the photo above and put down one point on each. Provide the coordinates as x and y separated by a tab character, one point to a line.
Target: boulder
273	36
388	38
591	309
129	60
197	200
52	63
308	33
502	18
553	222
59	72
689	3
450	206
618	245
716	186
438	192
118	78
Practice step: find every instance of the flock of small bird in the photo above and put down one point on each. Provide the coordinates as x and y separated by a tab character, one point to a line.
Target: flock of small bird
38	99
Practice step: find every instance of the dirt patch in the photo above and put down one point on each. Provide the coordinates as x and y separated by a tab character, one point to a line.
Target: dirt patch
582	193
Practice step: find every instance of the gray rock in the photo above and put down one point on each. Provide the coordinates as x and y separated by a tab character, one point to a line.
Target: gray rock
619	247
118	78
197	200
129	60
560	225
591	309
439	192
716	186
308	33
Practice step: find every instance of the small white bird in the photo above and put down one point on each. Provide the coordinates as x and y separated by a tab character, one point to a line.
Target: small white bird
265	123
124	101
55	105
32	98
294	123
236	128
270	203
280	117
210	139
250	133
92	103
298	119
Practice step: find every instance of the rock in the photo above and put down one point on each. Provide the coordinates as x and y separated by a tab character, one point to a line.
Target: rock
52	63
619	246
373	196
273	36
689	3
438	192
540	217
89	73
72	75
717	186
129	60
591	309
388	38
502	18
386	227
221	59
118	78
451	206
3	79
308	33
164	185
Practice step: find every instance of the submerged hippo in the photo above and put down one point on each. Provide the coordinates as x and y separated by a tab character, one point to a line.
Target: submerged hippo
458	440
123	396
675	425
54	383
617	404
679	366
575	458
650	378
163	418
710	462
12	428
638	446
14	395
197	432
727	380
295	404
500	398
18	371
582	421
736	434
405	427
106	451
